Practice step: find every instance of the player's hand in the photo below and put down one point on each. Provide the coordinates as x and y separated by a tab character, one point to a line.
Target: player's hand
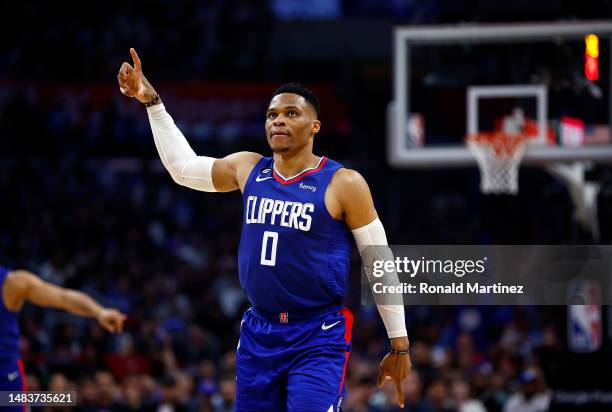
111	320
396	368
132	81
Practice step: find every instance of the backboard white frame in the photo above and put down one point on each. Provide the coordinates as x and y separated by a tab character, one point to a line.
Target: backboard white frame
400	155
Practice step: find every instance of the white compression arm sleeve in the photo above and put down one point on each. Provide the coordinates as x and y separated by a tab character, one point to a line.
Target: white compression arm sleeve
179	159
373	234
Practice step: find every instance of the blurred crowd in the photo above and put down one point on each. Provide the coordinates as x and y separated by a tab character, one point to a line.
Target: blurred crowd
446	377
218	39
83	216
167	257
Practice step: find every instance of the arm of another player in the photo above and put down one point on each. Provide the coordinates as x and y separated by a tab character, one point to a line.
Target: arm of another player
186	168
25	286
354	200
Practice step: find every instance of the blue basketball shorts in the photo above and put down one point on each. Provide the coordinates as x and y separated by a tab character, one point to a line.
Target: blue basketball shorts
12	379
292	364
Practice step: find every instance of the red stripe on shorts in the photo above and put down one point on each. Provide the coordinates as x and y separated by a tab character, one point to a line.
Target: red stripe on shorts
24	383
348	327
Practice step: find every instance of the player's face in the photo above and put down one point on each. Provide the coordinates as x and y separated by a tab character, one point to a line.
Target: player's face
291	122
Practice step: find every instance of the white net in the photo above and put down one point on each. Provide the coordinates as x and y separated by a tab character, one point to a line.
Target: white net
498	156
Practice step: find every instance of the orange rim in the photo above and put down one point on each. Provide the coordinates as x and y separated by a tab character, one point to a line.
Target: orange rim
503	144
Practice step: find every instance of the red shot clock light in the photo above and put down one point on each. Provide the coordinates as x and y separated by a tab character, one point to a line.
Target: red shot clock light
591	62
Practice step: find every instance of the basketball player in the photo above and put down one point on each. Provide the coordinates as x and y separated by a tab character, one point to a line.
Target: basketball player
299	211
19	287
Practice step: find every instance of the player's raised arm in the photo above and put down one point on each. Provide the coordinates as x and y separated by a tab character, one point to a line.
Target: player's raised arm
351	194
22	286
186	168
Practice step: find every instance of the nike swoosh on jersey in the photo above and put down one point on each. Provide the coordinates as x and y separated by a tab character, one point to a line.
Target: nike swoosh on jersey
325	327
258	179
12	376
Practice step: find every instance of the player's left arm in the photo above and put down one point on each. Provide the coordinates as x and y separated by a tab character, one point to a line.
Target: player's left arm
30	287
351	200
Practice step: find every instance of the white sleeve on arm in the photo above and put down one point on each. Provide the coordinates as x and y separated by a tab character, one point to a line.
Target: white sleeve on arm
373	234
179	159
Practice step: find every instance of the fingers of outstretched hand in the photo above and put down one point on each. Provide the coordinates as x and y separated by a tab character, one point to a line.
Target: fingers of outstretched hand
382	375
108	325
120	321
400	391
136	59
123	77
125	89
115	325
126	69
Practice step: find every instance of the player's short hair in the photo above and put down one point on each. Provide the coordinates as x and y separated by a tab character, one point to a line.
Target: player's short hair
296	88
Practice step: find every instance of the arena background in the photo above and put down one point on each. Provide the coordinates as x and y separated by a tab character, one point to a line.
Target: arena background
87	204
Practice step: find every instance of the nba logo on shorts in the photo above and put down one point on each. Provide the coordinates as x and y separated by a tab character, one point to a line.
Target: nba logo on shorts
283	317
584	320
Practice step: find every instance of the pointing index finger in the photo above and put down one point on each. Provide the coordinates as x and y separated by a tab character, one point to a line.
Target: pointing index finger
137	64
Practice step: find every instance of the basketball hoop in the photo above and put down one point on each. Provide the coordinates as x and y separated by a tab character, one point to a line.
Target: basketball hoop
498	155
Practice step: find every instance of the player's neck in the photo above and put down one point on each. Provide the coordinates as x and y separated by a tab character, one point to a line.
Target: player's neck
292	164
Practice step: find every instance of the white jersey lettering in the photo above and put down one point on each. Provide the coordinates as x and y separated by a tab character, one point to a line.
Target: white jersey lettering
284	222
305	224
295	215
276	210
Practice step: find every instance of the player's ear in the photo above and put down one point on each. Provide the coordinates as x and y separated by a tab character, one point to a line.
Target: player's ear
316	126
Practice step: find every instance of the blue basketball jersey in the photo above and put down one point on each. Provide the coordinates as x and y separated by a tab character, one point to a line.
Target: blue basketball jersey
9	329
293	256
12	374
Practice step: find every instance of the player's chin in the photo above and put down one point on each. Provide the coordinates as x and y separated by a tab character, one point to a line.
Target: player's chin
278	148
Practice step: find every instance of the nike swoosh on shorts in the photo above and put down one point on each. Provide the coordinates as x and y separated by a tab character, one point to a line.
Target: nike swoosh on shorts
325	327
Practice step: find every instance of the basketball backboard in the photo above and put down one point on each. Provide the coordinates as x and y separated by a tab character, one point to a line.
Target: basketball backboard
458	79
